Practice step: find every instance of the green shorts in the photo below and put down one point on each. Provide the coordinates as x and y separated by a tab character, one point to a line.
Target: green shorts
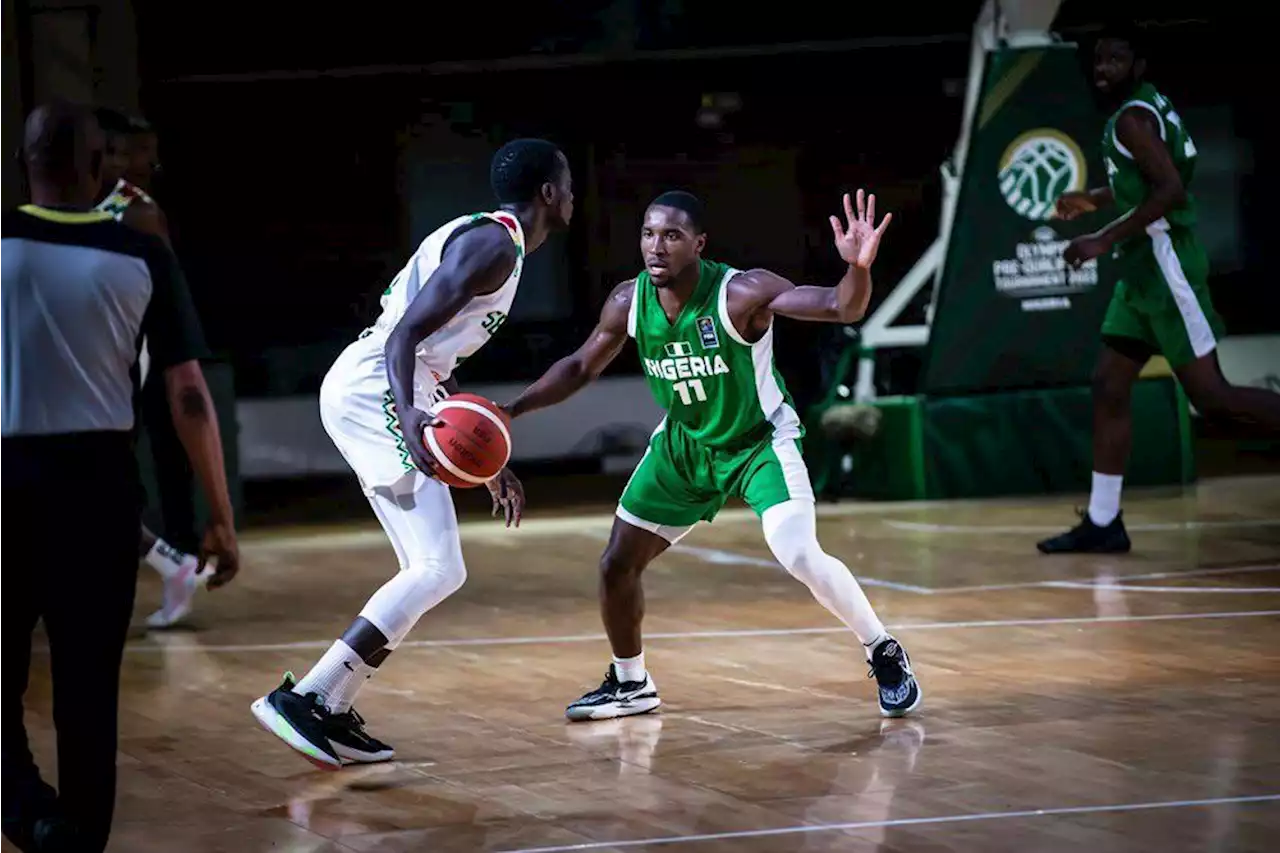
680	482
1162	297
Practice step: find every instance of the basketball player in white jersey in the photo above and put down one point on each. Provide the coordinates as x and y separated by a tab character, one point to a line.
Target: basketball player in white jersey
129	203
452	295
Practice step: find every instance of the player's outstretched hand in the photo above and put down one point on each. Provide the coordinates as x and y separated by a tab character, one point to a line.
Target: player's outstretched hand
414	423
508	495
220	551
860	240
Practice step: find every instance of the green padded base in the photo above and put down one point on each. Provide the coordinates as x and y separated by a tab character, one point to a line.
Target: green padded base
987	445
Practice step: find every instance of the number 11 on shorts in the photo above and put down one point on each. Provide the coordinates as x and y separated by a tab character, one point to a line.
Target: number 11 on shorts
682	388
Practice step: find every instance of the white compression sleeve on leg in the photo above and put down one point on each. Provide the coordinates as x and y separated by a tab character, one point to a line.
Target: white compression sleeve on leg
423	528
791	530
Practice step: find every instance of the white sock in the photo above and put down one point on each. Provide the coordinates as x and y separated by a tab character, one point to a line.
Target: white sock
340	701
871	646
629	669
164	558
333	674
1104	499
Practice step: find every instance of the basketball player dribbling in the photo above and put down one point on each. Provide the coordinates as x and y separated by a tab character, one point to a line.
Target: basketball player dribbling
443	306
128	202
704	332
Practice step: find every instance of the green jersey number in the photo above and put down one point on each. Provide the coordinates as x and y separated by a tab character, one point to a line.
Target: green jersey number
493	321
1188	147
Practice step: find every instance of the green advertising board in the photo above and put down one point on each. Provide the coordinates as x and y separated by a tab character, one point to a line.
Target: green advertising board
1010	314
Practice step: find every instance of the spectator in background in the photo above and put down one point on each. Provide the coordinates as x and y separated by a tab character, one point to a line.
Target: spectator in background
79	291
130	162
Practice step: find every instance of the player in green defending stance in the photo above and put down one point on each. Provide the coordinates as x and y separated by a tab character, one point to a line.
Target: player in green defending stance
1161	303
704	331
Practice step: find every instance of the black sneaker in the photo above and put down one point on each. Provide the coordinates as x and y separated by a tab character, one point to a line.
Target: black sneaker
1088	538
57	834
351	742
28	801
300	721
899	692
615	698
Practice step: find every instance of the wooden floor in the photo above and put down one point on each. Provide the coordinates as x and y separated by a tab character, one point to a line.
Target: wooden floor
1096	704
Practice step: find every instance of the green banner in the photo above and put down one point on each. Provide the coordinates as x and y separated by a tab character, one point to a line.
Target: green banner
1010	314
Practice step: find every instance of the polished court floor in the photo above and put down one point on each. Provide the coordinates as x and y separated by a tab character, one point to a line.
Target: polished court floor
1071	703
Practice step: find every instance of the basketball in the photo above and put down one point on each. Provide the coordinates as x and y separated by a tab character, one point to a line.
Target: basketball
474	442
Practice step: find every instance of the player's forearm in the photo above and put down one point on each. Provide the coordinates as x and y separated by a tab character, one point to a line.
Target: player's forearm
562	380
853	293
1101	197
401	361
196	422
1155	206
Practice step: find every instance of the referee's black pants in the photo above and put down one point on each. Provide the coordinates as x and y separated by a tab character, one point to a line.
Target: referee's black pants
71	510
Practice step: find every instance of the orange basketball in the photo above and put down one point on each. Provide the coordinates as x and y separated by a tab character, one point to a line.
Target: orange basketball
474	442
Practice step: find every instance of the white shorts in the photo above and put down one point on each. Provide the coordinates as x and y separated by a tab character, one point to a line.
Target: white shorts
359	414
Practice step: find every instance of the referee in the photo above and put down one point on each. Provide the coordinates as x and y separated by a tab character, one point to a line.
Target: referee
79	292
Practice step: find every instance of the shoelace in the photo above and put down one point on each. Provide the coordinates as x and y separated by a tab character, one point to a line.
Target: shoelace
353	720
886	663
318	707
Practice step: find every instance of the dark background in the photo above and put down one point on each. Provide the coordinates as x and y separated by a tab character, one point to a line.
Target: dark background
289	139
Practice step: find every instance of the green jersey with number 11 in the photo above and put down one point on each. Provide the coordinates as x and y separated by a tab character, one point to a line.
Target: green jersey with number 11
722	391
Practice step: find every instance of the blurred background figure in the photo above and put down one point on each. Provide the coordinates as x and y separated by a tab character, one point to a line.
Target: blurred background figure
79	292
128	167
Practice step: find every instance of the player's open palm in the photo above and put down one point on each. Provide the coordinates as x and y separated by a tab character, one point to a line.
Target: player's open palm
508	495
858	241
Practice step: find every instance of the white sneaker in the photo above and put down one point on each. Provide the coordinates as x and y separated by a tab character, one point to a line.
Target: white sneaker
179	590
615	698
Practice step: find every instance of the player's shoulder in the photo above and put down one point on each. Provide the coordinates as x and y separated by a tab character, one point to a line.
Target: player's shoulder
623	292
758	281
481	234
617	305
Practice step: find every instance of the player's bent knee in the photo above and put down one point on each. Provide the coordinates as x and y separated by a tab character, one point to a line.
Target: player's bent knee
616	566
423	584
443	577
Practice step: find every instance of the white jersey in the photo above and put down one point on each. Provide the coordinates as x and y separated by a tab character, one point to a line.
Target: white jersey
474	324
356	404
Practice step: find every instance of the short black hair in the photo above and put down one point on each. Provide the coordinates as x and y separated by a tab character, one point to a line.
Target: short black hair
1128	31
115	123
521	167
56	140
688	202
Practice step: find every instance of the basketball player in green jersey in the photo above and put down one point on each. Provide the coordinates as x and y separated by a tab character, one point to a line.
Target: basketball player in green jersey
705	336
1161	302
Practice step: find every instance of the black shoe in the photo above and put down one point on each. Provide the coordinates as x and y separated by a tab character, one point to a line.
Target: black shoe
57	835
899	692
1088	538
351	742
300	721
31	799
615	698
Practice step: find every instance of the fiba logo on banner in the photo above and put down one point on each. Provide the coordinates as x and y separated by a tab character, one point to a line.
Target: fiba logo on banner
1037	167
